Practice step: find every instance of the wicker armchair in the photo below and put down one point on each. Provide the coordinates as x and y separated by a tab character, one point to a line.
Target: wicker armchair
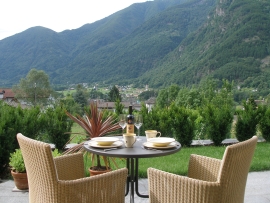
209	180
61	179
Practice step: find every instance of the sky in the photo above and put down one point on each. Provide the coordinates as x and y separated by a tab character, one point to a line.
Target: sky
58	15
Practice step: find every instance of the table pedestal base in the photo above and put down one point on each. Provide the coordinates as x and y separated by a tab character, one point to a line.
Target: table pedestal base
133	179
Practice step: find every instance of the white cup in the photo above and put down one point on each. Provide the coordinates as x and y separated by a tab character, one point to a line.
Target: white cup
152	134
129	139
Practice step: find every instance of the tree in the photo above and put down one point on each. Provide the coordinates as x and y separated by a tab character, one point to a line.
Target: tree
35	88
57	124
119	107
162	98
80	96
147	94
114	94
70	105
167	96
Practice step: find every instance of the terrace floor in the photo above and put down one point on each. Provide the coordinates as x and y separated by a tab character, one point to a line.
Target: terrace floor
257	190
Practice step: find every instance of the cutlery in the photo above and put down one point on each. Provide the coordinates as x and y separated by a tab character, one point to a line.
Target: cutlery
110	149
148	148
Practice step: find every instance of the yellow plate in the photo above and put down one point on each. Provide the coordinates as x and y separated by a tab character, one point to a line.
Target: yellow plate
150	145
105	141
161	141
96	145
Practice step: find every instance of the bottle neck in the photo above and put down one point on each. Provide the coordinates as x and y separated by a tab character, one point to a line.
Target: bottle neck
130	110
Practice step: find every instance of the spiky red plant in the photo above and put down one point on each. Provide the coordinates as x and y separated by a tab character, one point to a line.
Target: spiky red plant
93	123
95	126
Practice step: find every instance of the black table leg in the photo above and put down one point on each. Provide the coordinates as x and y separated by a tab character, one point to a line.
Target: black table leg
137	180
133	178
128	178
132	181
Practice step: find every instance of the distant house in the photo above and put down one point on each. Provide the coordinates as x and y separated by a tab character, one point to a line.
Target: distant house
101	104
150	103
260	102
7	95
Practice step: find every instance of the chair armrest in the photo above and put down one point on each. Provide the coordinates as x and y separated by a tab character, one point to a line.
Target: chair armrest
166	187
203	168
69	167
107	187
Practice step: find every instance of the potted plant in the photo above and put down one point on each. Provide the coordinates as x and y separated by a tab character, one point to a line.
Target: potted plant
95	126
18	170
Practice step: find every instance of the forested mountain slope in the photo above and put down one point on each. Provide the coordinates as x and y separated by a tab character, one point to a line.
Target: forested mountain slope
53	52
233	44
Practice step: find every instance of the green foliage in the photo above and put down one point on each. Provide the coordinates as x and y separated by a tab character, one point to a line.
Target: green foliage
70	105
35	88
264	123
56	153
189	98
182	124
147	94
49	126
17	162
12	121
167	96
7	135
217	121
95	94
31	123
150	118
114	94
80	97
165	118
119	107
57	124
162	100
247	120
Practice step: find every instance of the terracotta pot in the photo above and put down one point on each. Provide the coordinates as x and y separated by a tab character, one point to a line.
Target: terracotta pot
20	180
94	172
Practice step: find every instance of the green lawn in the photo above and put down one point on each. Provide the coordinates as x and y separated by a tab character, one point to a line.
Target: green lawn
178	163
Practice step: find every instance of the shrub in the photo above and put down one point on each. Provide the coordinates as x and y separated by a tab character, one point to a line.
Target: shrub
217	121
56	125
16	162
150	119
264	123
247	120
165	118
182	124
7	135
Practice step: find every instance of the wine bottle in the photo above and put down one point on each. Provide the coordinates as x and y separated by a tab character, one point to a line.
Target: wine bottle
130	121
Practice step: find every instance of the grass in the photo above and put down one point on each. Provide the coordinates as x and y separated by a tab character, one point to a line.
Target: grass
76	128
178	163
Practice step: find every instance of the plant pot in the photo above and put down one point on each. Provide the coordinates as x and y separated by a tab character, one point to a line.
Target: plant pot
94	171
20	180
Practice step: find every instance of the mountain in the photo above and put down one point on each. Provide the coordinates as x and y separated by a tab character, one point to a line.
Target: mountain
55	53
233	44
98	51
157	43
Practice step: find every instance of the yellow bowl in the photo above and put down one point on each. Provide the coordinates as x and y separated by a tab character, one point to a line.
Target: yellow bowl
105	141
161	141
